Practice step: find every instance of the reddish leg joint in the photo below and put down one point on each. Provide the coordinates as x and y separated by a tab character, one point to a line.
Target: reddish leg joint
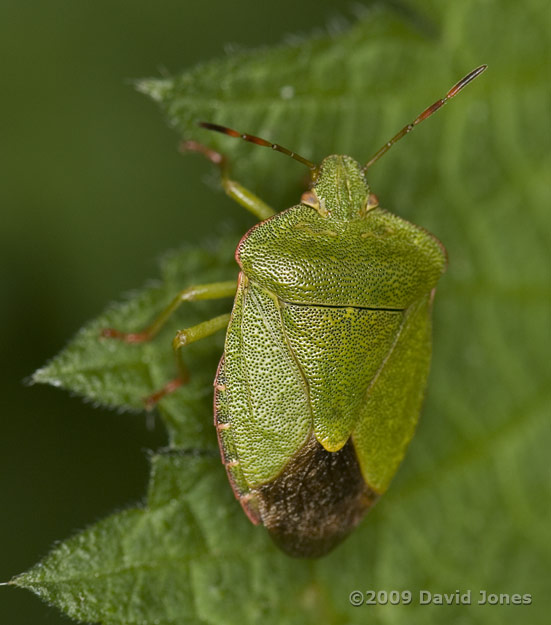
152	400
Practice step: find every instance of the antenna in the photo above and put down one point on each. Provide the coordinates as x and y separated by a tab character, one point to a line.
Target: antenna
426	113
258	141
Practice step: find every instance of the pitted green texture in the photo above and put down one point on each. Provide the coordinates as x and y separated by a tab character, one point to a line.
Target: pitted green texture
290	370
379	261
329	332
228	451
390	412
339	351
341	187
267	398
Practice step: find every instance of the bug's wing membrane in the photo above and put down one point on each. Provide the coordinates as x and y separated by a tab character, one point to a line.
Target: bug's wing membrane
267	397
339	350
393	401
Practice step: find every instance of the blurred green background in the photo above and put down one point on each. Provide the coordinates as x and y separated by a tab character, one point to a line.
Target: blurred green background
93	191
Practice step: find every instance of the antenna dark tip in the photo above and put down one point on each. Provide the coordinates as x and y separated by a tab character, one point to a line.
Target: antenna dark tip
465	81
223	129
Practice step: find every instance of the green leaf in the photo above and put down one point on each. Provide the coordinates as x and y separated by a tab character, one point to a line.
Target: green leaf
120	375
468	508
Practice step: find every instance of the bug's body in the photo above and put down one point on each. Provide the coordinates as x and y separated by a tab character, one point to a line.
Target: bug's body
327	350
326	358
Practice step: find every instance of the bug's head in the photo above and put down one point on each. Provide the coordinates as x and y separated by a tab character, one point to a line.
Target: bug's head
340	190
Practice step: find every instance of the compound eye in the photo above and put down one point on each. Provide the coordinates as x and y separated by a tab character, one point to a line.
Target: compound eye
309	198
372	202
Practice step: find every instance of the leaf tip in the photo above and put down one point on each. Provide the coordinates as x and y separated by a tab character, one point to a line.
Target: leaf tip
43	376
155	88
18	581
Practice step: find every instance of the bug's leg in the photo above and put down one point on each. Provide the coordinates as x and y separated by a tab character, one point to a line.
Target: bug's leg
182	338
200	331
215	290
236	191
151	400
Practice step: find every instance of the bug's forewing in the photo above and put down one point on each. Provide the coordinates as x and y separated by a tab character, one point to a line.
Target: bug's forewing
308	498
266	395
339	350
390	413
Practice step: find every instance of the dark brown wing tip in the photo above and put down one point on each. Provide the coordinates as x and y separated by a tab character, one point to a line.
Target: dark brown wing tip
316	501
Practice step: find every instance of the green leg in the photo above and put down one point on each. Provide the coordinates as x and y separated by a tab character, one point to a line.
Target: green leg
214	290
185	337
236	191
200	331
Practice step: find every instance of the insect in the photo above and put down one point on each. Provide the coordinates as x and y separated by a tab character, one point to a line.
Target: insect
319	388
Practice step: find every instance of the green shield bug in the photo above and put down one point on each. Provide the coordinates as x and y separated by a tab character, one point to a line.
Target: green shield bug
327	350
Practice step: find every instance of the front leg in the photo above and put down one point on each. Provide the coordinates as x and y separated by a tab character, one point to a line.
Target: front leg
236	191
215	290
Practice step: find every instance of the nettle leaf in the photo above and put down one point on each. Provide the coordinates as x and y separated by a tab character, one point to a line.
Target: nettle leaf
327	94
174	561
467	510
119	375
